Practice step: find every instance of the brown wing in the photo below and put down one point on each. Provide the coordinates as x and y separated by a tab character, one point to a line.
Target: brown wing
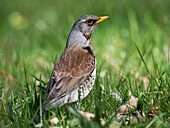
70	71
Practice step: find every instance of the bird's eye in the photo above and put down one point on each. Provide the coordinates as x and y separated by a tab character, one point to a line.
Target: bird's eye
90	21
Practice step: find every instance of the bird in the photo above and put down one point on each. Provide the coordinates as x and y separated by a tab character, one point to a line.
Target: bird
74	73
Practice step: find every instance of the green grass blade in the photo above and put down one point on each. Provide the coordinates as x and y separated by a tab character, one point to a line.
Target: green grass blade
141	57
84	122
154	120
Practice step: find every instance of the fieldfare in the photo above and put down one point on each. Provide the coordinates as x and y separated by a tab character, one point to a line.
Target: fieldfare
74	73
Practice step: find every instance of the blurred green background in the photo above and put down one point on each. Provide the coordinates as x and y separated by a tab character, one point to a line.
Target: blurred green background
33	34
33	31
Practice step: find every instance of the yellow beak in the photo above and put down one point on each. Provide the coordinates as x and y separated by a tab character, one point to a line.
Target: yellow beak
102	19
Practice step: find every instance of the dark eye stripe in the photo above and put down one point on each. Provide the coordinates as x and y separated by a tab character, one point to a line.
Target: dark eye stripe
91	21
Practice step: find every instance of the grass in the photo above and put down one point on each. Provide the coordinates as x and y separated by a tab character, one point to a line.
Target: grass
132	47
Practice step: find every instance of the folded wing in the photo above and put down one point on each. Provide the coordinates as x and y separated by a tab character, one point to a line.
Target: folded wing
71	70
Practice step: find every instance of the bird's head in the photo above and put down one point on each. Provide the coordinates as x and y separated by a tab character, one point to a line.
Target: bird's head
82	30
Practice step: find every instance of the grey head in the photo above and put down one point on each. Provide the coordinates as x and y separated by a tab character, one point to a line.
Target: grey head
83	29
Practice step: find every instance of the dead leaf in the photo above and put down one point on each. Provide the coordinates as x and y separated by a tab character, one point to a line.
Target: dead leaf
39	125
143	79
163	97
54	121
114	124
9	79
116	95
126	108
131	104
90	116
136	117
102	74
153	111
3	74
56	127
158	82
75	120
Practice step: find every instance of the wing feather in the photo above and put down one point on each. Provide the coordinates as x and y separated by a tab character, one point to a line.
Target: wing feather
70	71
